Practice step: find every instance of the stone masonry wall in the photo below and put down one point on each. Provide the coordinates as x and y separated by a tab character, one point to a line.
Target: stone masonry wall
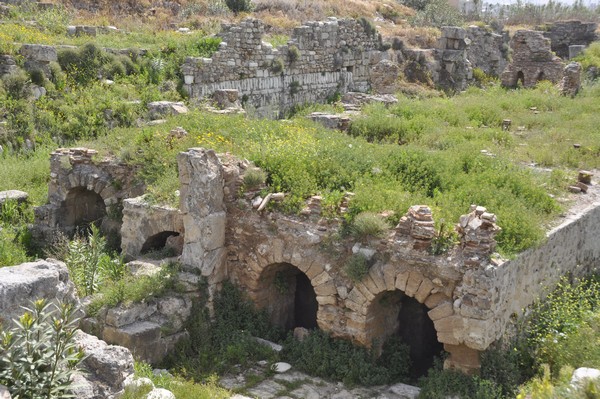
563	34
498	292
320	59
487	51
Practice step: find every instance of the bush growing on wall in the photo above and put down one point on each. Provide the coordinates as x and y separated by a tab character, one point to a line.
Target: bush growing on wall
238	6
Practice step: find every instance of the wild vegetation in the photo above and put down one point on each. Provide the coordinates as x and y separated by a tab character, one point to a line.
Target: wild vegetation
447	152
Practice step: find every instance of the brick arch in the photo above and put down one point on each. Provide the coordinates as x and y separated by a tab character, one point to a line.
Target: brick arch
312	265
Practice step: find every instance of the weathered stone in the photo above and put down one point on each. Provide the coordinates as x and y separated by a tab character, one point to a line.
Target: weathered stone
124	315
143	338
4	393
385	76
564	34
13	195
571	80
158	109
583	374
48	279
487	51
107	366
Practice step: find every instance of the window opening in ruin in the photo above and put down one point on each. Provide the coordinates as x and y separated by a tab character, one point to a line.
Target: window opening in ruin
541	76
521	79
394	313
158	242
82	208
350	69
288	296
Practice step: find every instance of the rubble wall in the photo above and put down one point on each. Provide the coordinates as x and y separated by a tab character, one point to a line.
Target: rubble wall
320	59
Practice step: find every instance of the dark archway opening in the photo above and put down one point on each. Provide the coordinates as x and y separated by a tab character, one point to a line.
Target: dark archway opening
520	79
417	330
393	313
541	76
288	297
82	208
157	242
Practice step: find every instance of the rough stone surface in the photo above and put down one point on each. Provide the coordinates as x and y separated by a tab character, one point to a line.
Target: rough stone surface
488	50
4	394
160	393
160	109
532	60
571	81
38	57
331	121
384	77
21	284
453	71
8	65
106	368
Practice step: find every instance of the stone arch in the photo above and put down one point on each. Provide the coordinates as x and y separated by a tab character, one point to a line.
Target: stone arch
393	313
381	283
540	76
520	78
157	241
82	207
310	263
287	294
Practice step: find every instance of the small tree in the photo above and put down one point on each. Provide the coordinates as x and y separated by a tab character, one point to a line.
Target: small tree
39	355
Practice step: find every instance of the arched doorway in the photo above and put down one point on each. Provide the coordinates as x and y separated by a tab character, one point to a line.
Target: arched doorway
541	76
83	207
288	296
157	241
393	313
521	79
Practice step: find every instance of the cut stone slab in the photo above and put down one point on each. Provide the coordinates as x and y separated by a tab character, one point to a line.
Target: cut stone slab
13	195
584	373
281	367
166	108
272	345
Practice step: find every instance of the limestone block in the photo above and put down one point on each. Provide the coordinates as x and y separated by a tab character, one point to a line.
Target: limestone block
4	393
326	289
424	290
441	311
413	283
142	338
365	291
389	276
401	280
124	315
434	300
326	300
321	279
13	195
449	324
462	358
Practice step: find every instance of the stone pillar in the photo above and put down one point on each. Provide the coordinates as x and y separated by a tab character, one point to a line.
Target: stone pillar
417	224
203	209
477	231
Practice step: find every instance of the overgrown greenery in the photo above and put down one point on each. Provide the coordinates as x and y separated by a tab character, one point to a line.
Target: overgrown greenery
38	355
15	239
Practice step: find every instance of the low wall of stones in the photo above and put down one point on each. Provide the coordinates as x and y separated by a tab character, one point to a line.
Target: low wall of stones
499	292
320	59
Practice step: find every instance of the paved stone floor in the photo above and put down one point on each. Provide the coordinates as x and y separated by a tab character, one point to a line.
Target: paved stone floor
259	382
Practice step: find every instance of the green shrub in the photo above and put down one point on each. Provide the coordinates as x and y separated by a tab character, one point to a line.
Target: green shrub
448	383
293	53
254	178
37	77
84	64
90	264
238	6
369	224
16	85
38	356
357	267
437	13
277	65
322	356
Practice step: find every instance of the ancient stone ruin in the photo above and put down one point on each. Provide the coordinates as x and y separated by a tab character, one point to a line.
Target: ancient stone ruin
320	59
487	50
532	61
564	34
461	302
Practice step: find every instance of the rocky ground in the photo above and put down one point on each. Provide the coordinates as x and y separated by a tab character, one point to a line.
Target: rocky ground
261	382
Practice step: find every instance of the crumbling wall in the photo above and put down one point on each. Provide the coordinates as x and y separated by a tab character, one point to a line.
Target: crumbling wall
454	71
320	59
563	34
532	60
488	50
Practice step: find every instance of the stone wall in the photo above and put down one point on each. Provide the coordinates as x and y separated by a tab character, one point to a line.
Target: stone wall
532	60
320	59
488	50
563	34
82	190
454	70
497	293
